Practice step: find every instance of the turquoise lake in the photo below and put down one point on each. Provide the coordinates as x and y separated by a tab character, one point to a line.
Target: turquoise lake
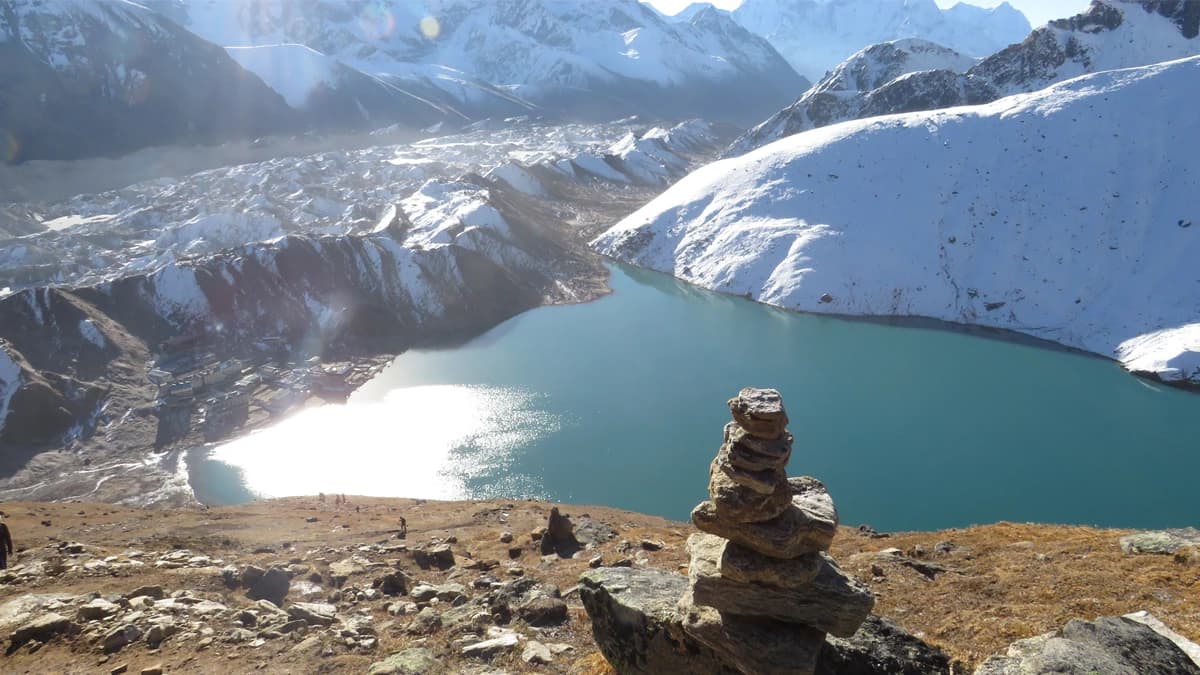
622	402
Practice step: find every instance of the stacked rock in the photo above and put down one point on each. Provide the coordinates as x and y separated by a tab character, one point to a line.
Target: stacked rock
763	592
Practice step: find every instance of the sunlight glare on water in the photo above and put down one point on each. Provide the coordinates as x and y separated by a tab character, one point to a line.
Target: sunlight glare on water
422	442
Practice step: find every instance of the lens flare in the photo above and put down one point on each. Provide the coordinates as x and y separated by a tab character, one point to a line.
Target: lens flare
377	22
431	28
10	148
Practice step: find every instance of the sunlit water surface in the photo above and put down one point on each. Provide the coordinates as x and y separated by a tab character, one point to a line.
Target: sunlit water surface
621	402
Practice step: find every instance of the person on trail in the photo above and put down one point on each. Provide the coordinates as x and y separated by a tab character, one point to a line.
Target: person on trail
6	548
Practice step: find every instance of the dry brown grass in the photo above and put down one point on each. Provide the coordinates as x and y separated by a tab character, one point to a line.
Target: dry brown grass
1012	581
1006	581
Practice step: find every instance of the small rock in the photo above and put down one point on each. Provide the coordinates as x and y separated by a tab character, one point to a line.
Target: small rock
414	661
1163	542
119	669
506	537
543	611
41	629
427	621
536	653
489	648
313	613
96	610
115	639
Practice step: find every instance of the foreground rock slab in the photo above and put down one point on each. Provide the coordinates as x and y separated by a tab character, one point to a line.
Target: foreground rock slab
1108	645
638	625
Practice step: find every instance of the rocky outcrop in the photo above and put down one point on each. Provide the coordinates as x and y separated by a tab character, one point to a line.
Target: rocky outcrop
1164	542
638	627
1110	645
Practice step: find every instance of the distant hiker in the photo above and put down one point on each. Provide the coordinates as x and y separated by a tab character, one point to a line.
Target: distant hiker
321	497
403	528
356	509
6	548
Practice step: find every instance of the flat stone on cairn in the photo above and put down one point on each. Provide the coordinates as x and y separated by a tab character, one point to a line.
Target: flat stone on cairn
763	592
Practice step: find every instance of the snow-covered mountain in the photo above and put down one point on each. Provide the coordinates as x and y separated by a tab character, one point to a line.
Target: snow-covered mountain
1110	34
1067	214
815	35
81	78
844	92
602	59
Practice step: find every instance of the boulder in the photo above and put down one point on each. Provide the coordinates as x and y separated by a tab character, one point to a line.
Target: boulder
115	639
272	585
1190	648
96	609
42	629
155	592
415	661
543	611
559	537
1164	542
536	653
880	647
760	412
1109	645
392	584
427	621
489	648
637	625
313	613
830	602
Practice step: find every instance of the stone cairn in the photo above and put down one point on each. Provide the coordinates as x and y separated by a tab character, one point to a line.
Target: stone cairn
763	592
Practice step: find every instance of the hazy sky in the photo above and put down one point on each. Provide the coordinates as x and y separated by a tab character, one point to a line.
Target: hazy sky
1038	11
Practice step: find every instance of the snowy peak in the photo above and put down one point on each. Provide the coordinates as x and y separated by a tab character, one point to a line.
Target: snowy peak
611	57
1025	220
879	64
845	92
1110	34
816	35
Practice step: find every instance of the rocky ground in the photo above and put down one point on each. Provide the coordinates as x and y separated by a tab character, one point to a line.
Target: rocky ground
304	585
